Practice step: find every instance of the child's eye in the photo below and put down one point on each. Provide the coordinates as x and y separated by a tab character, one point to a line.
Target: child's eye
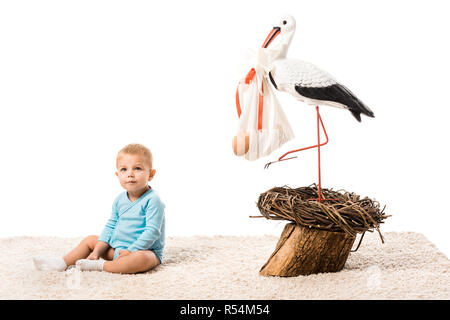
138	168
123	169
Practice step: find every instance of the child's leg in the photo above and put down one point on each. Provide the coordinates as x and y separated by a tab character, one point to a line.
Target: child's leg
137	261
83	250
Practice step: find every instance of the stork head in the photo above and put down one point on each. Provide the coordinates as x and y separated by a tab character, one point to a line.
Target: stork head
281	35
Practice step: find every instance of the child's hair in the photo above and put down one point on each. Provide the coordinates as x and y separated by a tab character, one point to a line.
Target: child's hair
136	148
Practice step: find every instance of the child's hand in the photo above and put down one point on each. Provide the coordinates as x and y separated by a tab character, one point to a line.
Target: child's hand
123	253
92	256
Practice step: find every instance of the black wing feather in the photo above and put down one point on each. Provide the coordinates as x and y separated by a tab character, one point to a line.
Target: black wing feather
337	93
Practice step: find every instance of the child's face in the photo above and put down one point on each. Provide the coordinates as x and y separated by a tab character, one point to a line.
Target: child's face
134	172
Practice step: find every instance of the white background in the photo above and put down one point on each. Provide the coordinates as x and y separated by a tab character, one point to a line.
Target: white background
80	79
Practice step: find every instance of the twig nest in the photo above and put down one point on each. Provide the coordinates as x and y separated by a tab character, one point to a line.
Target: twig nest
341	211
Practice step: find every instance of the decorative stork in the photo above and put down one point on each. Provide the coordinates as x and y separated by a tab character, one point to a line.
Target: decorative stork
307	83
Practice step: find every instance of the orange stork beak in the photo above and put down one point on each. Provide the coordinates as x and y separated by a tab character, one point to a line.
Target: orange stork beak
272	35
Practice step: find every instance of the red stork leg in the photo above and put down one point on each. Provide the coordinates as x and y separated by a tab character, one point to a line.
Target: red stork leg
318	151
282	158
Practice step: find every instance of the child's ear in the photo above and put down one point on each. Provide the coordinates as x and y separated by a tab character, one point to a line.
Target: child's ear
117	173
152	174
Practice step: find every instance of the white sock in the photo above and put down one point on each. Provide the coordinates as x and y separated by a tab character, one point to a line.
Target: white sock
90	265
49	263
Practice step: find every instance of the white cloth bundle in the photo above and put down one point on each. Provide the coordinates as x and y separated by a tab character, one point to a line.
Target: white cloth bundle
259	133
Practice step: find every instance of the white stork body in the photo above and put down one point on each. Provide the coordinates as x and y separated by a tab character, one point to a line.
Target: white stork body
304	80
285	74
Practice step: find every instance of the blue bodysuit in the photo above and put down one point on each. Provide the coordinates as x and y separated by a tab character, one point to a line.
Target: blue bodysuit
138	225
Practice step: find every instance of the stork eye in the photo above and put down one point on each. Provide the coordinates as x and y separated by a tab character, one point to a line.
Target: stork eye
284	21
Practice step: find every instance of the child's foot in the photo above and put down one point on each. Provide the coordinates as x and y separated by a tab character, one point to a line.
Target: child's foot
90	265
49	263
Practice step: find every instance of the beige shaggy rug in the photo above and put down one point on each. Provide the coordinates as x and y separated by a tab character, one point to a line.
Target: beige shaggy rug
407	266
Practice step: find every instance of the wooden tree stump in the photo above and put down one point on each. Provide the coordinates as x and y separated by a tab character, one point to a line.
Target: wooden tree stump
304	251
